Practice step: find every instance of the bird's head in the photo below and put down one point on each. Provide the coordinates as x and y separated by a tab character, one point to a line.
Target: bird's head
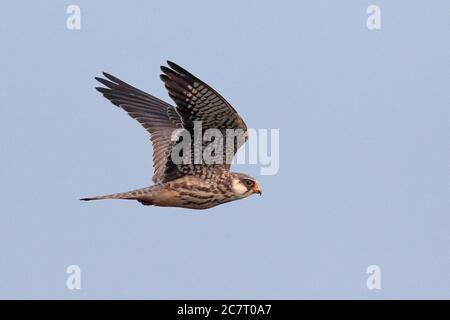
243	185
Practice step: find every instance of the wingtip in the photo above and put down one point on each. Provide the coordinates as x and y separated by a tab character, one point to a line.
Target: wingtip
177	68
105	74
172	64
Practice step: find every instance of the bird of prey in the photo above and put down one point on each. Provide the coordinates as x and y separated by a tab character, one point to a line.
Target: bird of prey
188	184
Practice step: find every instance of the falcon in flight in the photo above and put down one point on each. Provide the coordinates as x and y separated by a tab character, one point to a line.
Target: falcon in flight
188	184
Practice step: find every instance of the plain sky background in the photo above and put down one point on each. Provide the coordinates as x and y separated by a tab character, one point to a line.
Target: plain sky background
364	119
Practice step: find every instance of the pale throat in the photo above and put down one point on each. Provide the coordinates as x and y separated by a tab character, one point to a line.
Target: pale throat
238	187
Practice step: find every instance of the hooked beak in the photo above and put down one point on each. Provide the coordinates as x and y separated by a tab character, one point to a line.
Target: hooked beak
257	189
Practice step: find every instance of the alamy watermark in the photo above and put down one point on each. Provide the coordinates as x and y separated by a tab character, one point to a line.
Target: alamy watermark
73	281
373	281
374	19
216	147
73	21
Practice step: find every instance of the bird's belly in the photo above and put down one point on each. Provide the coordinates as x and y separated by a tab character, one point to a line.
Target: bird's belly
188	198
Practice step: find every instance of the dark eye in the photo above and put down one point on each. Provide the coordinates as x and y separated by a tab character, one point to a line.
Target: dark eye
249	183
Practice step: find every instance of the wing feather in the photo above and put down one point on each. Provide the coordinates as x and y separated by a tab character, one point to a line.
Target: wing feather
197	101
159	118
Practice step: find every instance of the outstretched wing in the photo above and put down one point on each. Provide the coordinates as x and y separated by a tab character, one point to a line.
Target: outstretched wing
197	101
158	117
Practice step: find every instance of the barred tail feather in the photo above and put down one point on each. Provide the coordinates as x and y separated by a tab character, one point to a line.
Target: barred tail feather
109	196
130	195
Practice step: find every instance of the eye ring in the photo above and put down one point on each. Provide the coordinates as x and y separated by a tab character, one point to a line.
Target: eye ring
249	183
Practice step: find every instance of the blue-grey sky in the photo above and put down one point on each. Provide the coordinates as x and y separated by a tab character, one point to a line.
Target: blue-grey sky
364	120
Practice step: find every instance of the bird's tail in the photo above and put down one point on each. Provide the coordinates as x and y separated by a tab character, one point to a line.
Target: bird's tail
130	195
